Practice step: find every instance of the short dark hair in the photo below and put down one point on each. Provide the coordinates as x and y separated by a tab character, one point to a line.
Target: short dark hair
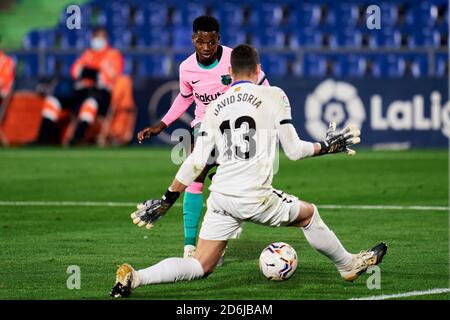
244	59
205	23
100	29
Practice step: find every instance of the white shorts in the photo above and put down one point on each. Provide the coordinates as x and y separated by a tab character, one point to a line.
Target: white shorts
225	214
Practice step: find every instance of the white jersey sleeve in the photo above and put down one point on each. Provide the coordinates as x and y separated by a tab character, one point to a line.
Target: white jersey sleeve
197	160
293	146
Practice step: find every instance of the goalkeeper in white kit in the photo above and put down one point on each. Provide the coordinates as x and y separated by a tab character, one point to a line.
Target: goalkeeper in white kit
244	125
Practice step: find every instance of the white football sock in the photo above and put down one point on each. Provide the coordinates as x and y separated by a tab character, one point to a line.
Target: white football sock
321	238
171	270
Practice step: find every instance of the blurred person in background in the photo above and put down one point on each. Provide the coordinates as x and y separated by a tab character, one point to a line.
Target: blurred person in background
93	76
7	74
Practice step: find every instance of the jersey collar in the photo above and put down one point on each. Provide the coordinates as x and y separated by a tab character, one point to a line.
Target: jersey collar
240	82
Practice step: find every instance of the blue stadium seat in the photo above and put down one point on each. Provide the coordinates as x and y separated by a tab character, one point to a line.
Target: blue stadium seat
151	37
272	37
118	15
266	15
314	65
121	39
347	38
275	65
330	17
230	15
389	13
75	39
39	39
182	37
184	15
128	64
27	65
97	16
417	65
178	59
308	38
59	64
310	14
348	14
428	14
350	65
385	37
157	14
157	65
430	38
307	15
140	17
231	37
441	65
390	65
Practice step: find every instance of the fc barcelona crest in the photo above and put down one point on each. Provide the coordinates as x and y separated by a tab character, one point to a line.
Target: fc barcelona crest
226	79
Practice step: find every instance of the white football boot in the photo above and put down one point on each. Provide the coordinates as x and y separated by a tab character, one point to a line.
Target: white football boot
362	261
126	280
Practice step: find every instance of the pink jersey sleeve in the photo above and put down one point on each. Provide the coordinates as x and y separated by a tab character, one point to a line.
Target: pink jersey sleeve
179	106
181	102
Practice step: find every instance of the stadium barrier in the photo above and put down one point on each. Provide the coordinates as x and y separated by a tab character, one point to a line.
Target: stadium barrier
392	113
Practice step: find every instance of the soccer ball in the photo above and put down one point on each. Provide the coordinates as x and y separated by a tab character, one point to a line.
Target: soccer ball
278	261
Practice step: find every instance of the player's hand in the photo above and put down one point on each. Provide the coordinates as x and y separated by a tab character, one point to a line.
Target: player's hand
151	131
153	211
340	141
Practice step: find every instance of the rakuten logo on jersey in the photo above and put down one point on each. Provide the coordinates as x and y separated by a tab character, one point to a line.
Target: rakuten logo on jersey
207	98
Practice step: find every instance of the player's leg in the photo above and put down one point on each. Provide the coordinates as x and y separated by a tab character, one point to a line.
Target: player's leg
321	238
170	270
53	106
192	211
51	112
193	204
96	103
216	229
209	252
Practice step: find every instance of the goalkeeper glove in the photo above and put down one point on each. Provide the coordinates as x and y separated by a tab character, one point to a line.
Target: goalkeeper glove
340	141
154	209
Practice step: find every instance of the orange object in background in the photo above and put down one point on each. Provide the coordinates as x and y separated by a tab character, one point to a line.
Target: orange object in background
22	118
7	74
123	112
109	63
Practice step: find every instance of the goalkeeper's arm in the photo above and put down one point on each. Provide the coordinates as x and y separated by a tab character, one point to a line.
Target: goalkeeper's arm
188	172
334	142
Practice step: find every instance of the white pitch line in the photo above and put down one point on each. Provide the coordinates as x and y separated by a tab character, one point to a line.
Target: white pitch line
67	203
379	207
404	295
130	204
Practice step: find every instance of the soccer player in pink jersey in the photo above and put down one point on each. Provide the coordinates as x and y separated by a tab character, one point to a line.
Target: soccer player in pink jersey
204	76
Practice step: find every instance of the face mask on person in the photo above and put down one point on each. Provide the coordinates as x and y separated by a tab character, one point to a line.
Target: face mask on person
98	43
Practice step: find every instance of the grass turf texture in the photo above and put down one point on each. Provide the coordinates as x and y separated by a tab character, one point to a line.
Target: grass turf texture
38	243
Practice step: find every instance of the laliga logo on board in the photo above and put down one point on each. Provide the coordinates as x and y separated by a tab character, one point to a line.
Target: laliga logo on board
339	102
336	101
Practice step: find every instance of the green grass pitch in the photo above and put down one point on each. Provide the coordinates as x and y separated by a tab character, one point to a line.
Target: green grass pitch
39	242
